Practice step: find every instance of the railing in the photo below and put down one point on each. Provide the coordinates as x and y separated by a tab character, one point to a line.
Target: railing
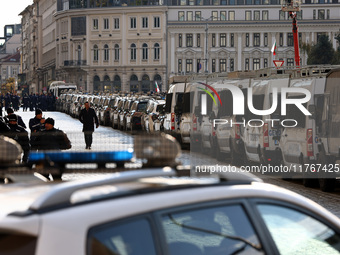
74	62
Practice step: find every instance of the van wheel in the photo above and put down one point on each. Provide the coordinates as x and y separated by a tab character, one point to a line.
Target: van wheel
326	184
308	180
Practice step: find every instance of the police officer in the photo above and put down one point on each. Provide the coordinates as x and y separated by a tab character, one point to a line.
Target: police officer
36	124
88	117
10	111
19	134
26	102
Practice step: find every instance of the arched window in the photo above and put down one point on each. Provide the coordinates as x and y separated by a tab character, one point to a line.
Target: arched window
133	51
157	82
95	53
96	83
145	51
117	83
106	53
134	83
116	52
156	51
145	83
107	84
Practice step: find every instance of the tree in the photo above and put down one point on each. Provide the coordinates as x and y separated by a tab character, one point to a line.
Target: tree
322	52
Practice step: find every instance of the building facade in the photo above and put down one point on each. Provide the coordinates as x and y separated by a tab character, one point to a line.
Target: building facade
130	45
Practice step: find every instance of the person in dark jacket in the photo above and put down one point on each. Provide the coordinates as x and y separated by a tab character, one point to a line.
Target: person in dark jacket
10	111
26	102
36	124
19	134
4	128
52	138
88	117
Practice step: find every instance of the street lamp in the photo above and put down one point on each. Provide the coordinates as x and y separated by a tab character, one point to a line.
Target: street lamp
206	43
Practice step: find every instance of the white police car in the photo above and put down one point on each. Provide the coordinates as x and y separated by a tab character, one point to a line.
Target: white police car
159	211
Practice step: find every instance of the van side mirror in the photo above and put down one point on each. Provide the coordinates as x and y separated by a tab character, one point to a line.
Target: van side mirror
197	111
312	110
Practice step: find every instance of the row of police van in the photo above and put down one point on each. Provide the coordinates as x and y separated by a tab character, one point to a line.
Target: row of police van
280	117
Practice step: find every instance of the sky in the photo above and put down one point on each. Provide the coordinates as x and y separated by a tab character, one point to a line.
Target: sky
9	12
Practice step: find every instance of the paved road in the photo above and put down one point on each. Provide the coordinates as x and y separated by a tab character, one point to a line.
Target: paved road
106	138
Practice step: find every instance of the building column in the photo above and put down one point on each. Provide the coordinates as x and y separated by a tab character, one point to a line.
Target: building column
172	54
239	51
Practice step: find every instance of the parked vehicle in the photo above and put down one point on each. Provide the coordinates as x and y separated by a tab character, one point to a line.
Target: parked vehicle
261	135
162	210
108	111
297	144
57	87
134	116
122	114
115	116
328	134
154	116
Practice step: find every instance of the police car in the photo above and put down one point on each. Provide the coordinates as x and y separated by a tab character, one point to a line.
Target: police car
160	210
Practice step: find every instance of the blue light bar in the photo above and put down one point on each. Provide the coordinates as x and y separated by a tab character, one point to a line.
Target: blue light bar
81	157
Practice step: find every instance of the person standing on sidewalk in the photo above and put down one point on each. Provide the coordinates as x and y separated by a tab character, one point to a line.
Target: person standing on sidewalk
88	117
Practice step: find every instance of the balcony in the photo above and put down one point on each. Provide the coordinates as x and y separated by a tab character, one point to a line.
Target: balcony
74	62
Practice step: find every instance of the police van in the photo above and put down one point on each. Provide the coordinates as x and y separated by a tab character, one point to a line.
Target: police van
57	87
299	144
226	127
262	132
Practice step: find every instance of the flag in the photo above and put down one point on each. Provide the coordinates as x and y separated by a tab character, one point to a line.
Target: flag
274	48
157	88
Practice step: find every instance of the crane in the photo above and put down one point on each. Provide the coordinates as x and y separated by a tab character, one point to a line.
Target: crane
292	7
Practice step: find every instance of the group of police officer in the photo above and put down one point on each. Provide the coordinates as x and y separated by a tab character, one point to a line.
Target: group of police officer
45	102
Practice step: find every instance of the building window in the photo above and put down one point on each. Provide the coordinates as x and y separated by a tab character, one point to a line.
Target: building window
214	15
257	40
299	15
181	16
213	40
95	24
232	67
106	24
321	14
281	15
247	39
290	40
116	21
328	13
265	63
133	52
231	15
95	53
180	40
106	52
179	65
156	51
223	40
290	61
213	65
246	66
314	14
300	38
281	39
223	15
188	66
116	52
265	15
265	39
256	15
189	40
248	15
145	22
145	51
133	23
198	40
256	64
156	22
189	16
198	16
223	65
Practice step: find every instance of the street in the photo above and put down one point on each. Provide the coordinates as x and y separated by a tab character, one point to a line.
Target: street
106	138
